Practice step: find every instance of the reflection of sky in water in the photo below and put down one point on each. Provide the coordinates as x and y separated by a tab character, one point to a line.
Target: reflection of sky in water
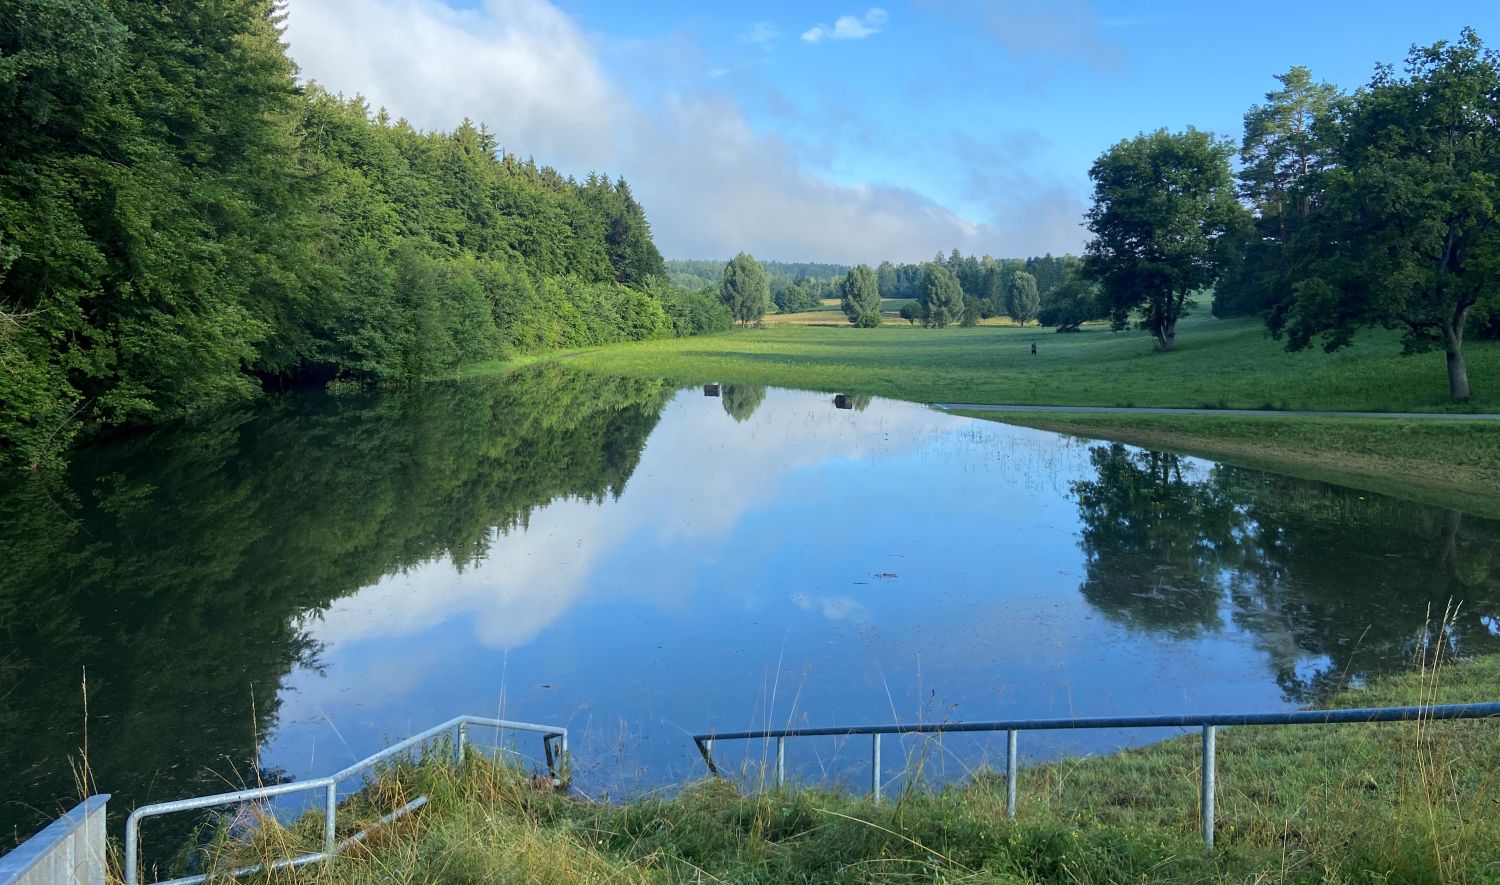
808	566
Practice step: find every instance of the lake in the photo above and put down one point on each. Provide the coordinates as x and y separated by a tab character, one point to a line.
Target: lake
278	590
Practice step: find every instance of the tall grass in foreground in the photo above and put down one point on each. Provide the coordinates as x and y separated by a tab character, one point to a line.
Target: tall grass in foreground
1382	803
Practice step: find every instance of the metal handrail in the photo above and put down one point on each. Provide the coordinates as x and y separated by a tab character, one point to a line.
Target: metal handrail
1208	723
329	784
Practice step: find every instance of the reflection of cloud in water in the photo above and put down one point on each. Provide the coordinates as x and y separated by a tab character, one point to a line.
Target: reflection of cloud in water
834	608
701	472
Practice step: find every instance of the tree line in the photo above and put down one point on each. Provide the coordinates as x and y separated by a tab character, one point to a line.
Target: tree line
182	223
952	289
1376	208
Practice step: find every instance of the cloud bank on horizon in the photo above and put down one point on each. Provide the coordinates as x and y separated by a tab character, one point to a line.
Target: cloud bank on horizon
714	180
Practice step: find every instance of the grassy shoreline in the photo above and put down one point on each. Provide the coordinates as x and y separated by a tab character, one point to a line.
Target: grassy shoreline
1444	464
1397	802
1219	364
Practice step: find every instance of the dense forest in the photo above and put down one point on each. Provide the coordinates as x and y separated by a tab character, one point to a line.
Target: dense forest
182	223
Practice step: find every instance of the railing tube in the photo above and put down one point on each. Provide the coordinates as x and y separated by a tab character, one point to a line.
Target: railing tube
780	762
463	742
1209	752
331	808
1010	773
132	852
875	766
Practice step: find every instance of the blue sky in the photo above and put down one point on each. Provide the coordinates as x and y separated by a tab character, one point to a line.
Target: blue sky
914	127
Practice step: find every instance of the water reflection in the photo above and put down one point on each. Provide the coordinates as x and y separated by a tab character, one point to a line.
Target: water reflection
178	573
279	590
1358	580
741	400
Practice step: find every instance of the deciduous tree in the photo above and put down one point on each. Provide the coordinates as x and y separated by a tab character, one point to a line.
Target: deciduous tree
1023	301
1074	302
941	298
745	289
1165	222
1408	234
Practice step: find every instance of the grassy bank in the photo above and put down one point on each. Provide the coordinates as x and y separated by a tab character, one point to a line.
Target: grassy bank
1448	464
1218	363
1409	802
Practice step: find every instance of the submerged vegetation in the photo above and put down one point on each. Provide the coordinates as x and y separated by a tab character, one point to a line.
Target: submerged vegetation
1396	802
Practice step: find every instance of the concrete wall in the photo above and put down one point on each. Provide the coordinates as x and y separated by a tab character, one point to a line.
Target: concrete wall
70	851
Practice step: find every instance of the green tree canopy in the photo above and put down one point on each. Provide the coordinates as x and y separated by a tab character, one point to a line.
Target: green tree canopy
859	296
1074	302
182	223
1407	235
941	298
745	289
1166	223
1024	301
1286	143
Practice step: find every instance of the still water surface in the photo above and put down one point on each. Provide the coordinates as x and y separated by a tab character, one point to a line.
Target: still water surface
281	590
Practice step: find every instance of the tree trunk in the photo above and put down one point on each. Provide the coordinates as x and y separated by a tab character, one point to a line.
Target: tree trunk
1458	375
1453	341
1166	334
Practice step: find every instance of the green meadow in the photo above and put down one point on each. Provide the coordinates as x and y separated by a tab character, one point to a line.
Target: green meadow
1217	364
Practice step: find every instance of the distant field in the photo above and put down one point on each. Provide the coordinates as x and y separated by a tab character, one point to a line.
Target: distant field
831	315
1217	363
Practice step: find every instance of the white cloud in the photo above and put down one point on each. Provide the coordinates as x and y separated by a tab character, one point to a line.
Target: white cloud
848	27
520	66
761	34
712	184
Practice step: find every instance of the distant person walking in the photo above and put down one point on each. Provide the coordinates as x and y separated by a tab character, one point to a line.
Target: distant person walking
1033	348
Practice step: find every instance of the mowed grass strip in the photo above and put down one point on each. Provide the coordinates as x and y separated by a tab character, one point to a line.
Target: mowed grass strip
1217	364
1445	463
1391	803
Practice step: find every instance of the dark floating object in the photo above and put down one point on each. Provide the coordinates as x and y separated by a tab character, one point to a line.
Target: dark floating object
710	390
843	401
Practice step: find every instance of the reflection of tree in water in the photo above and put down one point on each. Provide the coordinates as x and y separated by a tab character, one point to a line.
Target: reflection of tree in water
741	400
1152	540
177	567
1311	571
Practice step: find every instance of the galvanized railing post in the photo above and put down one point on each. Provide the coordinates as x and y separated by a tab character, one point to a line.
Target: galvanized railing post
875	766
132	852
1010	773
463	740
708	755
1209	751
330	827
780	762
